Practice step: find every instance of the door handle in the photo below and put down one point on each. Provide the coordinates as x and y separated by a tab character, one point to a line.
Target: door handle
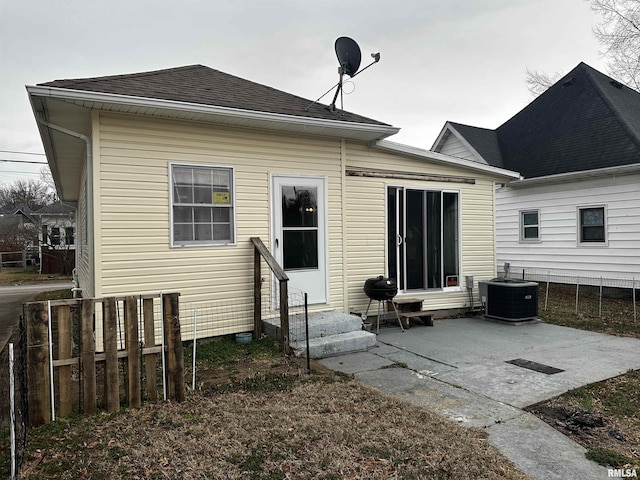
400	241
277	243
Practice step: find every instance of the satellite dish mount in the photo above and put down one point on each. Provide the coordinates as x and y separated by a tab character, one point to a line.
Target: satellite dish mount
349	57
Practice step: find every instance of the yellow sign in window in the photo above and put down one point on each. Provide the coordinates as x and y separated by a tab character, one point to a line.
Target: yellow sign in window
221	198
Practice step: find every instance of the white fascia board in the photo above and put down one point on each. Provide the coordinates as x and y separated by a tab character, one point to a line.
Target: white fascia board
380	131
445	159
571	176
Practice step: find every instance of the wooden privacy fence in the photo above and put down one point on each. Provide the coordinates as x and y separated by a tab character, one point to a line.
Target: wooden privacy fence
67	350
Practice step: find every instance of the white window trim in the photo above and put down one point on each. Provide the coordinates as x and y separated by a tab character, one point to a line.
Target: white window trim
233	206
579	241
538	239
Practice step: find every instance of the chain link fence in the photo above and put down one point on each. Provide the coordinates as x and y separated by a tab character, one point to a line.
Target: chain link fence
601	287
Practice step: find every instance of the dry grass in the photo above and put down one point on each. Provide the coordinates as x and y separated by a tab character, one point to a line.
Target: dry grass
614	315
249	422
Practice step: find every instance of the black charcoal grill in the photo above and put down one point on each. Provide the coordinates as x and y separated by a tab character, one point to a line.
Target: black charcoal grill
381	289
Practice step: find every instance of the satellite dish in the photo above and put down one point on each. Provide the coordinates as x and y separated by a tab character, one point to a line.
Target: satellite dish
348	53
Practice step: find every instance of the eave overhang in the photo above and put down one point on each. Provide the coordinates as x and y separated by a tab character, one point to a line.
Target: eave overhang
499	173
576	176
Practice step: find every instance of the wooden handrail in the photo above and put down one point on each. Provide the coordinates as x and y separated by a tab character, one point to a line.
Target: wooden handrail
261	251
271	261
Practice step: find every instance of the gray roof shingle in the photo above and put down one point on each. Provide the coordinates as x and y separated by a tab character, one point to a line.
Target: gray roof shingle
585	121
484	140
199	84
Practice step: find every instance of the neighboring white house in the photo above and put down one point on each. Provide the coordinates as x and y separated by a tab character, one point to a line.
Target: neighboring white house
577	209
175	170
57	237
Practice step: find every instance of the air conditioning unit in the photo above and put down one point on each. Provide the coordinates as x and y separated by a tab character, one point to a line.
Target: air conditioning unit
509	299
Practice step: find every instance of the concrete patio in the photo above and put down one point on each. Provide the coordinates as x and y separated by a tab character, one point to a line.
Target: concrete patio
459	369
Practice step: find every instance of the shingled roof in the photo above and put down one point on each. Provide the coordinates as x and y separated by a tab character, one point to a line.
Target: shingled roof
202	85
483	140
585	121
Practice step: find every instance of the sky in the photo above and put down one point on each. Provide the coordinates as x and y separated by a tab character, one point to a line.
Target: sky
458	60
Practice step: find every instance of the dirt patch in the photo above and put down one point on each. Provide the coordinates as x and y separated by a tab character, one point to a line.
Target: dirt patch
603	417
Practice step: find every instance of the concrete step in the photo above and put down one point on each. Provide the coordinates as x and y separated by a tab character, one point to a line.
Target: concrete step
321	324
337	344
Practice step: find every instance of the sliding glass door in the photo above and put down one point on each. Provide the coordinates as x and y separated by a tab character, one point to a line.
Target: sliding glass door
423	238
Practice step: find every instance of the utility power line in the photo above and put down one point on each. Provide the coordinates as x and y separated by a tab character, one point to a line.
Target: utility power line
22	161
21	153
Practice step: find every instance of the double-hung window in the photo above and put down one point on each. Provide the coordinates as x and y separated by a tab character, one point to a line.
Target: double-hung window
530	226
202	205
591	224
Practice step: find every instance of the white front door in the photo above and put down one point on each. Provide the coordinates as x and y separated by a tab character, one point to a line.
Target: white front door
299	233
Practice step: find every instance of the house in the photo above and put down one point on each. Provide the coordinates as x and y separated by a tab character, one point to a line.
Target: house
577	209
18	233
175	170
57	235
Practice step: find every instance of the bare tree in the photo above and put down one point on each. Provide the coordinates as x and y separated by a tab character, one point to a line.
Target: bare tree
619	34
32	193
539	82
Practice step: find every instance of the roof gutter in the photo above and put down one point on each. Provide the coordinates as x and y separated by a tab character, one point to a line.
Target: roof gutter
381	131
586	174
89	206
445	159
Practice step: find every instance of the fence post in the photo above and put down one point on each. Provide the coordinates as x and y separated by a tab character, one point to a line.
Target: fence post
577	290
175	357
133	351
38	364
546	297
64	353
88	357
600	300
149	341
12	411
284	316
110	329
257	295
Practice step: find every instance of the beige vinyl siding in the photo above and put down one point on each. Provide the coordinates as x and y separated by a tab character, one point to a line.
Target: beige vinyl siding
135	154
366	223
82	238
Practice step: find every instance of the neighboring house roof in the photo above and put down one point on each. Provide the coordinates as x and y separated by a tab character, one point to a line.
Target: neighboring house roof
56	208
22	210
585	121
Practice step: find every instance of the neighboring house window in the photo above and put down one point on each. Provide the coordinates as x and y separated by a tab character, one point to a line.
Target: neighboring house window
592	224
45	234
530	226
202	205
69	236
55	236
423	238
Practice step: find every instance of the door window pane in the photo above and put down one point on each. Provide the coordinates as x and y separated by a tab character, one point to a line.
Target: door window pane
415	239
300	249
299	206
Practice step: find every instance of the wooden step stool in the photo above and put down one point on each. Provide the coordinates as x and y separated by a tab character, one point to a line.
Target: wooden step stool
412	308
